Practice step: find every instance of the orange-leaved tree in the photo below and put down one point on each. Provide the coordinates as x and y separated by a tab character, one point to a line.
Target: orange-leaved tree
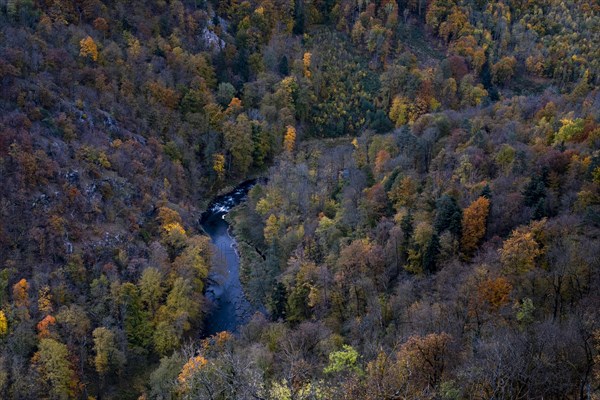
289	140
474	225
88	48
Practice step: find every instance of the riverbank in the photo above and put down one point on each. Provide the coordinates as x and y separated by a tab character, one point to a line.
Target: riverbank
250	256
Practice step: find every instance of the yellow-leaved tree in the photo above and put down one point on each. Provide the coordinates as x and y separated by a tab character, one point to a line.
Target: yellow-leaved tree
3	324
88	48
219	165
271	230
399	111
519	252
172	231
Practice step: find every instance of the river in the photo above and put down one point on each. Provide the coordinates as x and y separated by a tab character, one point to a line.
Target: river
229	307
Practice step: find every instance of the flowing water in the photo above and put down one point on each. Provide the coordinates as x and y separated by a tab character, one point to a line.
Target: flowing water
229	307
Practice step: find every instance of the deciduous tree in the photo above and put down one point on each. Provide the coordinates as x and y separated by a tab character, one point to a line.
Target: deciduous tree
474	225
3	324
289	140
519	251
52	361
88	48
108	358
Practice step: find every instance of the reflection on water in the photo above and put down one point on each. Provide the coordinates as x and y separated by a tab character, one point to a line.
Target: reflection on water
229	306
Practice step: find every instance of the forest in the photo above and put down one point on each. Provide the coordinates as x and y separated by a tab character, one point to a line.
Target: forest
427	225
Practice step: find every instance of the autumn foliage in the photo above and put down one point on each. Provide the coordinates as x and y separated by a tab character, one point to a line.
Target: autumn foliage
88	48
427	229
474	224
289	140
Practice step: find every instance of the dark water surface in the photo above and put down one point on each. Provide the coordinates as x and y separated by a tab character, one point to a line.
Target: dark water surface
229	306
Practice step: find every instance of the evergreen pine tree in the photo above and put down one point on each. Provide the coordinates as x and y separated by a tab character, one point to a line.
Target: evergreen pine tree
449	216
430	255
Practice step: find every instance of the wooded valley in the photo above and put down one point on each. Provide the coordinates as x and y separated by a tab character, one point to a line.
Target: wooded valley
428	225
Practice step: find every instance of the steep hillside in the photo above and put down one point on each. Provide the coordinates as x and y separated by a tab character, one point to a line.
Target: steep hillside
429	228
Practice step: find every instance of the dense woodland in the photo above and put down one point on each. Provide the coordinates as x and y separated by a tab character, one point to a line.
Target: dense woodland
429	228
